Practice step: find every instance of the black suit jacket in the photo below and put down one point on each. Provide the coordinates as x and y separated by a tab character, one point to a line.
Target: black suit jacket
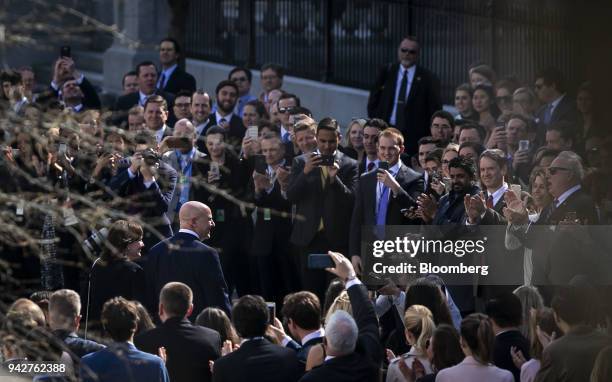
364	363
565	111
90	95
179	80
364	210
333	204
186	259
501	351
149	202
189	348
257	360
422	101
235	132
126	102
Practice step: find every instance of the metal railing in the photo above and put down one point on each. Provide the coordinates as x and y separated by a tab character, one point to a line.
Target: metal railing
346	41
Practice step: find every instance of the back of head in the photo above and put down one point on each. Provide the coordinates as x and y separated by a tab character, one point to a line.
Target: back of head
177	299
544	320
120	319
25	312
530	299
121	234
418	320
64	308
477	334
570	305
505	310
250	316
602	370
341	302
216	319
304	309
425	292
446	347
335	287
341	333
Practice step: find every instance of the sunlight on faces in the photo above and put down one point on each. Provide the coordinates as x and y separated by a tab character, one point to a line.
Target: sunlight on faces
182	107
356	136
481	101
147	79
155	115
424	150
463	102
446	158
215	145
249	116
370	135
327	141
270	80
130	84
491	175
226	99
167	53
389	150
272	150
136	122
306	140
441	129
200	107
516	130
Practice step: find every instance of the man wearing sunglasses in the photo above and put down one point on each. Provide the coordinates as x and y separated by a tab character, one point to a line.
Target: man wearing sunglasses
242	78
406	95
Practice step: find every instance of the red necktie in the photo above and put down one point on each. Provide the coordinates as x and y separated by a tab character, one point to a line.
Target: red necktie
490	201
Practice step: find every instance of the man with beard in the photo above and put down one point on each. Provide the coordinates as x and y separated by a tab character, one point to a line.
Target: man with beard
227	96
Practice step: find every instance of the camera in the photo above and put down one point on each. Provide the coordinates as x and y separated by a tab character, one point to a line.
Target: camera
94	244
150	157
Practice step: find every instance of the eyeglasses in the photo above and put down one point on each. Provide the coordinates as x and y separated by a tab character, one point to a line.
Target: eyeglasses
240	79
411	51
284	110
554	170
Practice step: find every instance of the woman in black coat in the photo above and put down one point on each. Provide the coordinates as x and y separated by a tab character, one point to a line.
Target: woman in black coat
115	273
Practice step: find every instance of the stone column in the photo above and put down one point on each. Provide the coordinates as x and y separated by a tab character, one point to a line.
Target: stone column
142	21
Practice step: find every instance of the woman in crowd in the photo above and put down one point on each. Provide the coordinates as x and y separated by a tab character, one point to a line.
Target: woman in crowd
463	103
145	322
531	300
114	273
419	324
450	152
504	89
217	319
477	345
484	105
482	75
353	142
542	331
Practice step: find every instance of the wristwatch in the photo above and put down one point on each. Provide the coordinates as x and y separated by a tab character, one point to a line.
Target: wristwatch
350	277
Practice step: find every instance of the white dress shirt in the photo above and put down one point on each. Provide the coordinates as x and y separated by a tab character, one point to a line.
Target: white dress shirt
563	197
166	73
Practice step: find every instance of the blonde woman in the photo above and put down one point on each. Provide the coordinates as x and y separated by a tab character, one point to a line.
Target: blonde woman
342	302
353	142
419	324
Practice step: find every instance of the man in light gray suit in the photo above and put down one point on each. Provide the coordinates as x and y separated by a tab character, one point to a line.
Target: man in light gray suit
180	152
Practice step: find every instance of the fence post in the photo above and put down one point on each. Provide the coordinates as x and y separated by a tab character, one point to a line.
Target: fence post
251	34
328	24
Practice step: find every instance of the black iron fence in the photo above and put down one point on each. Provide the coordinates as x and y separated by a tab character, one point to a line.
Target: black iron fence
345	41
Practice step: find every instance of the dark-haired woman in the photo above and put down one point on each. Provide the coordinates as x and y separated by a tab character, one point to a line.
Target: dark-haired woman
477	345
114	273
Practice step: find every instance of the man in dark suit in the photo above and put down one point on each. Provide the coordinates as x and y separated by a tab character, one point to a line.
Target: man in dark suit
557	236
121	361
188	162
186	259
406	95
73	96
64	318
323	195
572	357
189	347
505	313
227	96
200	112
382	194
370	140
156	116
172	78
257	359
146	185
147	81
353	351
302	311
558	106
272	228
65	69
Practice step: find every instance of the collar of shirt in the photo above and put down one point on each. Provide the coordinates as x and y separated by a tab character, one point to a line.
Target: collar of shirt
271	169
313	335
555	103
283	131
159	134
251	339
563	197
75	108
393	170
499	193
368	161
187	156
167	73
185	230
411	70
327	358
219	117
143	98
200	128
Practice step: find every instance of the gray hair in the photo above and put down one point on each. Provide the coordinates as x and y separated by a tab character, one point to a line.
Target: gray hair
574	163
341	333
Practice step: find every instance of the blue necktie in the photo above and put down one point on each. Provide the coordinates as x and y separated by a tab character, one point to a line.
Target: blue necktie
381	214
286	137
548	114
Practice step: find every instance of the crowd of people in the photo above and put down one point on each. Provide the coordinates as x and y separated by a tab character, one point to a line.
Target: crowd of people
166	234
